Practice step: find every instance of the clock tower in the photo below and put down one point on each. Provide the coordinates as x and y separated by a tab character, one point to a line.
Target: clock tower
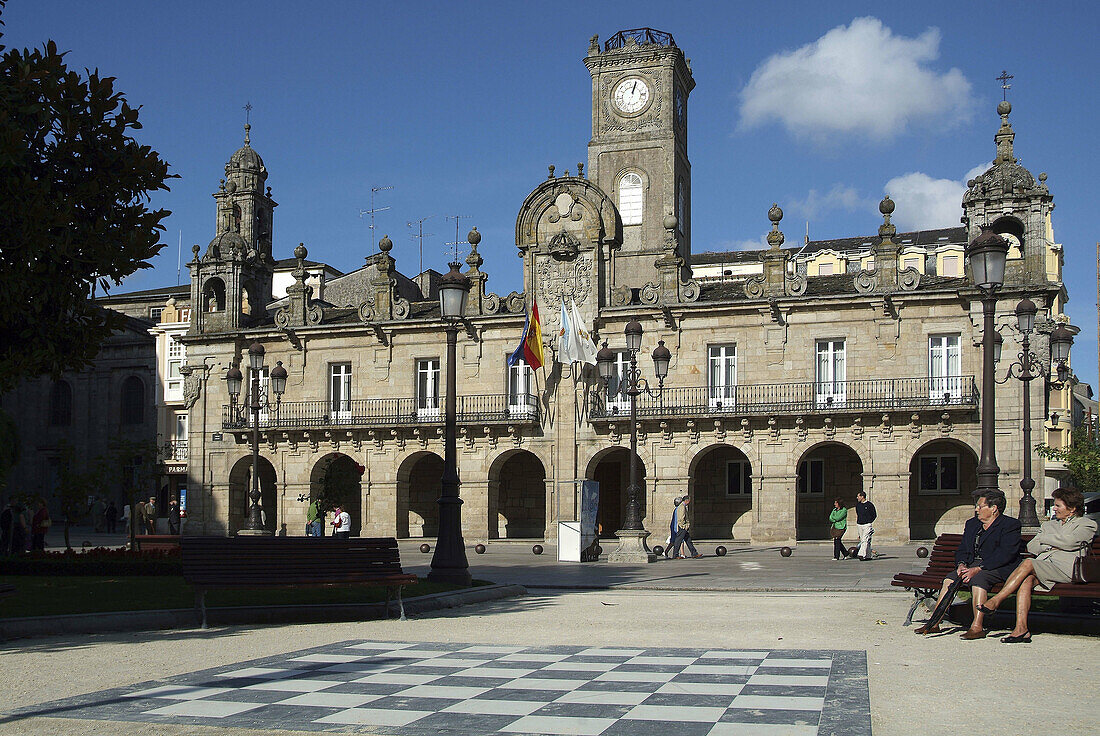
638	152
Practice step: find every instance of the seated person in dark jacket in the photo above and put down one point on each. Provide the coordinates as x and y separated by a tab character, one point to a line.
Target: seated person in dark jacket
987	555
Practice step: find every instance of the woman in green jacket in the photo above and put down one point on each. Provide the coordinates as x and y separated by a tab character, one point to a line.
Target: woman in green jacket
838	522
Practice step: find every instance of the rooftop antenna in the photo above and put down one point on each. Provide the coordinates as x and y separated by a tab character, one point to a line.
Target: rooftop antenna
373	209
1005	86
179	258
458	241
419	236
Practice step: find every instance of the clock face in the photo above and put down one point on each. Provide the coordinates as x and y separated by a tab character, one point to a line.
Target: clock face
680	108
631	95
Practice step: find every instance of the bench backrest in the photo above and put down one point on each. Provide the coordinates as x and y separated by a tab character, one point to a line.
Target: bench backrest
287	560
942	556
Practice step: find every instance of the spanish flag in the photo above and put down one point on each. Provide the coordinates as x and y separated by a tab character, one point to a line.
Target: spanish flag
530	345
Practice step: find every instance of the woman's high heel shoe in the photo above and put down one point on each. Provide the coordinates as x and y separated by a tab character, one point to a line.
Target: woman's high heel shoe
1024	638
986	610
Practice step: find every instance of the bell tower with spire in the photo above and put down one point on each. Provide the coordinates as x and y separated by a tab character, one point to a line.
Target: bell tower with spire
231	282
1008	197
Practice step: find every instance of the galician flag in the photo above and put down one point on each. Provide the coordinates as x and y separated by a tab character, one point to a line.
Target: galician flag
582	345
567	342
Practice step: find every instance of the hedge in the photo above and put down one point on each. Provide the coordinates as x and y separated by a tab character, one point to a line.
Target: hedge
96	561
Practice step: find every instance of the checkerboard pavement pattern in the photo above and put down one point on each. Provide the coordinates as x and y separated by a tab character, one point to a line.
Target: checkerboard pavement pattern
417	689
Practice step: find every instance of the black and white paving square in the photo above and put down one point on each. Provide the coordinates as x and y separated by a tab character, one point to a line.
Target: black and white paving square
422	689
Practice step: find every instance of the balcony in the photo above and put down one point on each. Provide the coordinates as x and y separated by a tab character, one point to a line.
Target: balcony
486	409
810	397
174	451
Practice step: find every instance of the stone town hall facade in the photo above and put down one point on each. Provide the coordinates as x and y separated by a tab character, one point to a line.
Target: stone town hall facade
798	374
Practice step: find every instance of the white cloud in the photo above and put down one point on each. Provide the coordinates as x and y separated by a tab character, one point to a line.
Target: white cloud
838	197
924	203
859	79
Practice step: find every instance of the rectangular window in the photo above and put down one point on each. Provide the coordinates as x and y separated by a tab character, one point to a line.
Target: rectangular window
829	375
939	474
944	367
267	402
722	377
155	313
738	478
179	439
427	388
177	356
811	477
521	390
339	392
825	269
617	401
951	266
911	263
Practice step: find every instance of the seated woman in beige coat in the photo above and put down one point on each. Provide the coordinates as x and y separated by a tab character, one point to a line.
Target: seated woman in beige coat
1059	542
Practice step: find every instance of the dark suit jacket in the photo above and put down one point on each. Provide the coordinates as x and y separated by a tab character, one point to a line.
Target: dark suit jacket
1000	545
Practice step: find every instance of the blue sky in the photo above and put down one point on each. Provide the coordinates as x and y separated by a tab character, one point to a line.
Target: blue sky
461	106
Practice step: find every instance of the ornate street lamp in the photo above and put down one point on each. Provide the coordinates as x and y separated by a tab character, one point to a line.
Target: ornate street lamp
234	379
449	563
1027	368
632	535
987	254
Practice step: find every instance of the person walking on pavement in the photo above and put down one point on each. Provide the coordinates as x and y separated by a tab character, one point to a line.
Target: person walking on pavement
99	518
838	524
672	526
341	524
683	531
314	520
865	517
110	515
173	517
40	524
151	515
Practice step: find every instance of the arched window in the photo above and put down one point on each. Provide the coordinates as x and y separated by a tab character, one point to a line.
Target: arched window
631	198
133	401
61	404
213	295
236	218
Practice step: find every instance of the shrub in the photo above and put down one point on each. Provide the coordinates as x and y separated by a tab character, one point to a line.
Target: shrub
97	561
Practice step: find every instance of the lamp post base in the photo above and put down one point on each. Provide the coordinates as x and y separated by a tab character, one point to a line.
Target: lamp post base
454	576
255	533
632	547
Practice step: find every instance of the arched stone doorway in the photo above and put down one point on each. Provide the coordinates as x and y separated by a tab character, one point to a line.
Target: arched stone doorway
240	484
419	485
336	480
943	477
517	496
611	469
825	472
721	488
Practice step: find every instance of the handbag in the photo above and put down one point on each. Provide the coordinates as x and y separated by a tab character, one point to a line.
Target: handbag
836	533
1086	570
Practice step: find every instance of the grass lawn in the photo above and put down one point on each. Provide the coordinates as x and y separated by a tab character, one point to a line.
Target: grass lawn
58	595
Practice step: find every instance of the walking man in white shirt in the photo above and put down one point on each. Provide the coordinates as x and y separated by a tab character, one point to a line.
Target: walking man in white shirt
865	516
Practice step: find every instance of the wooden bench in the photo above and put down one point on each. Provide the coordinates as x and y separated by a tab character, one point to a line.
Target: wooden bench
926	585
292	562
157	542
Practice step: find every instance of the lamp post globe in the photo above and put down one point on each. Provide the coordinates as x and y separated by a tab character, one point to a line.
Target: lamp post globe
1025	315
987	254
278	379
233	380
633	334
256	356
1061	340
662	356
605	361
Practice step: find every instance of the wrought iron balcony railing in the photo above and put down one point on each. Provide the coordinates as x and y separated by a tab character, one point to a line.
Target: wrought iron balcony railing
485	409
174	451
810	397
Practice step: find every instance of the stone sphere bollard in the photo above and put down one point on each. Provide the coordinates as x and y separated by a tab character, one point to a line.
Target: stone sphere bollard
922	552
720	551
658	550
537	549
425	548
479	548
785	551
